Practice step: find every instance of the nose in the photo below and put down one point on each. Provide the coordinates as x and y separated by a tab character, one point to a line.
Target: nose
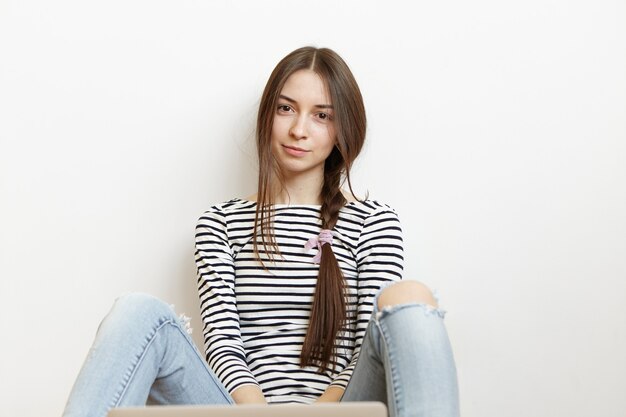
298	128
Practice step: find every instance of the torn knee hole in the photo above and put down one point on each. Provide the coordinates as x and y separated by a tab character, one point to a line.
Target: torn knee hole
406	292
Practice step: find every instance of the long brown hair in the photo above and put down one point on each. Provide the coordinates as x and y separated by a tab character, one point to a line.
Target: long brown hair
328	312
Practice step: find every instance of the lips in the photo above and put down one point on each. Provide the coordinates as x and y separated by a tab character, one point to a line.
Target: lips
295	151
295	148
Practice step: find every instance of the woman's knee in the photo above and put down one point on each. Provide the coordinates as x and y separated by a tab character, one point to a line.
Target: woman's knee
133	318
139	305
405	292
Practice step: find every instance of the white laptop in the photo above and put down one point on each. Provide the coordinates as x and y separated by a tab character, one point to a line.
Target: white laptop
347	409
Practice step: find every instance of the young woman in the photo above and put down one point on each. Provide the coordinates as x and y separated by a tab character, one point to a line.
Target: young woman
298	284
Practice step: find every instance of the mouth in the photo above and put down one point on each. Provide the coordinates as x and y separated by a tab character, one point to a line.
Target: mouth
295	151
295	148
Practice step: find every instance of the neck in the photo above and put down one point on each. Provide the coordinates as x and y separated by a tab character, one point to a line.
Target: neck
302	188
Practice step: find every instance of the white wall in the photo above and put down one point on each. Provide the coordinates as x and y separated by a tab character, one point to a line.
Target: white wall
497	130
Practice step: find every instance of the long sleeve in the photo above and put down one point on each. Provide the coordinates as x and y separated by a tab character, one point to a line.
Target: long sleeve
216	286
380	260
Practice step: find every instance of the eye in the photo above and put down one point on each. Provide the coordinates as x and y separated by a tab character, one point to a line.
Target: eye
324	116
284	108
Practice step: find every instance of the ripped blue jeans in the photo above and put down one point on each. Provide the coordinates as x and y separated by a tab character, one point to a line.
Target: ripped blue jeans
142	354
406	362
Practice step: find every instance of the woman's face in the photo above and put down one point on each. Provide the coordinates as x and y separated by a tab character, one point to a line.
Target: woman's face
303	133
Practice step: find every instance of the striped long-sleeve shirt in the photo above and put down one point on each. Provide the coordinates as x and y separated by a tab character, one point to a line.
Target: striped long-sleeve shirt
255	319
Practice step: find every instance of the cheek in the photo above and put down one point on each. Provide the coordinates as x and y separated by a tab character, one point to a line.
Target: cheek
277	130
280	127
330	138
323	133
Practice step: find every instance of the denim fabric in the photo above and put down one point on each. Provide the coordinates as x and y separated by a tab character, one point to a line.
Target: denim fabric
406	362
142	354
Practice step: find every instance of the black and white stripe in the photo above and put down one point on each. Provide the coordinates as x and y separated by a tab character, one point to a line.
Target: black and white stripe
255	319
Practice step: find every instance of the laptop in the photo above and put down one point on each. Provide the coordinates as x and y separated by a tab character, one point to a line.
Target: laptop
347	409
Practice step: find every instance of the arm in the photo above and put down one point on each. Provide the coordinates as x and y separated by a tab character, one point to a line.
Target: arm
216	286
332	394
380	260
248	394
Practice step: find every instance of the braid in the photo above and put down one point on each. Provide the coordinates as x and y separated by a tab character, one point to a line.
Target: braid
328	312
333	199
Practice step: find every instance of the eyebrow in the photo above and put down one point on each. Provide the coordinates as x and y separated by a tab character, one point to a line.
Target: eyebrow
320	106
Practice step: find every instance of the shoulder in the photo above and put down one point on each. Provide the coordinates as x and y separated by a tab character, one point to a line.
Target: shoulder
221	213
367	209
380	232
232	206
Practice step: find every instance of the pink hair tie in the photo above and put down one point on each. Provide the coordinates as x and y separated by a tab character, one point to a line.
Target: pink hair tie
324	237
